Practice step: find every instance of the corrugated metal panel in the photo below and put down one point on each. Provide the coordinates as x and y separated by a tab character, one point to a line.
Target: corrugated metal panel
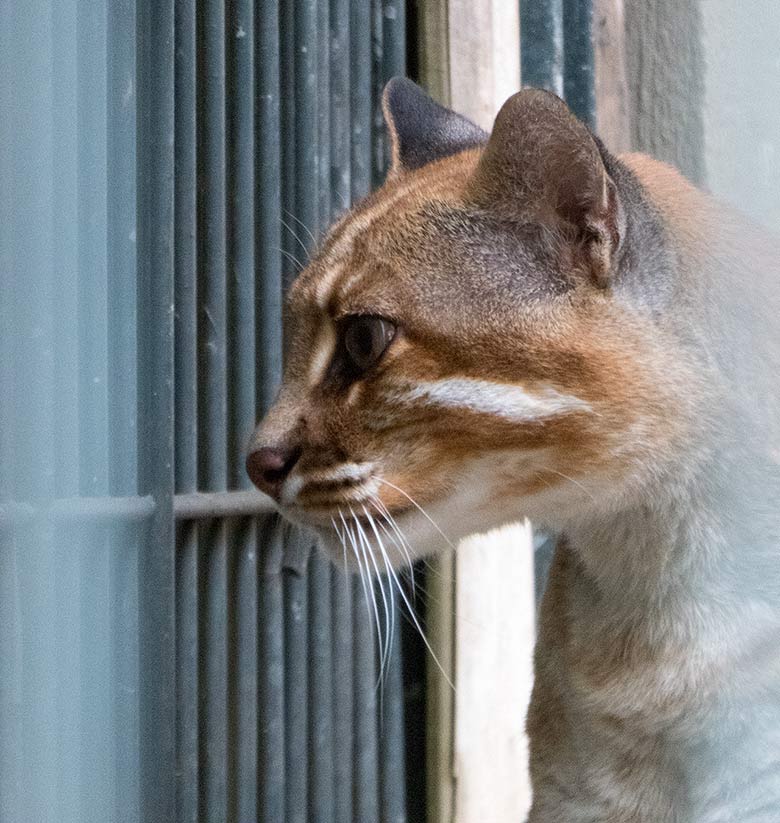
155	334
167	655
276	661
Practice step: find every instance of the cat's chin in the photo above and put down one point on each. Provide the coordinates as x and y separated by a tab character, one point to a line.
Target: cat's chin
376	546
374	543
483	500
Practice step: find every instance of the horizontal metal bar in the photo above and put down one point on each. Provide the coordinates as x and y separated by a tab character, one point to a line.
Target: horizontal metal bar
201	506
103	510
96	510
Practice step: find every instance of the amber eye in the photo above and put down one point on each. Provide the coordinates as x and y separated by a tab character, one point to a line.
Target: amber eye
365	339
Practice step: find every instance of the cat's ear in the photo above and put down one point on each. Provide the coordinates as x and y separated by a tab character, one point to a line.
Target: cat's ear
421	130
543	164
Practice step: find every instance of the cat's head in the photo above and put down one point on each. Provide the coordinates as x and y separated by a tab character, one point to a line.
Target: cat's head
461	343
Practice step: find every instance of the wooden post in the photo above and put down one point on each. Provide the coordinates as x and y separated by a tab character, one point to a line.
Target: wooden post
481	608
609	58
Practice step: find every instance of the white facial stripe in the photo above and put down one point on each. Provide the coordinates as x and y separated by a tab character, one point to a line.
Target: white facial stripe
357	472
346	471
503	400
323	352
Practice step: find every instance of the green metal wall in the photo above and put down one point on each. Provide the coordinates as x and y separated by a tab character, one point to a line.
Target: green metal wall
168	652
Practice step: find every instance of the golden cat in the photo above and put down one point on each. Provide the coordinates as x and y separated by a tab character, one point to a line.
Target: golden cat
523	325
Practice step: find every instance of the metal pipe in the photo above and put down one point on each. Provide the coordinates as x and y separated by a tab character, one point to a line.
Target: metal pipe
541	52
157	626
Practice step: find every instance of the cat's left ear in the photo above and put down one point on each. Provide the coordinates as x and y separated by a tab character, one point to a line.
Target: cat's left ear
543	165
422	131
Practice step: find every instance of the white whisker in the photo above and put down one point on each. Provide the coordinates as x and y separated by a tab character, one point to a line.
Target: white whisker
368	553
298	239
343	541
360	565
301	224
400	541
419	508
290	257
419	627
391	632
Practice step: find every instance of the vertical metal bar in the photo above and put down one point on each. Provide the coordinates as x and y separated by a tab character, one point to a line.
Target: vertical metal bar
321	775
243	583
94	642
122	395
394	39
541	52
212	351
272	755
377	84
188	577
67	569
12	761
123	595
241	307
296	667
293	256
578	77
93	296
365	796
268	176
94	574
155	82
122	258
306	65
360	79
188	732
214	670
186	257
340	90
244	714
343	720
323	117
273	109
392	755
65	214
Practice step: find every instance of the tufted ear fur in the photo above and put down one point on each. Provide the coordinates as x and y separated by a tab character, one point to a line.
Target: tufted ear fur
542	164
421	130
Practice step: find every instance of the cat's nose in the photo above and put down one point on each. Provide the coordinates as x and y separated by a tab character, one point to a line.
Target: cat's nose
269	466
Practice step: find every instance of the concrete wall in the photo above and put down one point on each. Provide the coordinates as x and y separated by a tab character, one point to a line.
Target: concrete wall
742	104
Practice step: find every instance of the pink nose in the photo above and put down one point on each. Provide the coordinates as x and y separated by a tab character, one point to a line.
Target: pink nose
269	466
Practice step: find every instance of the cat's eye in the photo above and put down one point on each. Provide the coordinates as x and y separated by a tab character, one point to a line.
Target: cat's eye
366	337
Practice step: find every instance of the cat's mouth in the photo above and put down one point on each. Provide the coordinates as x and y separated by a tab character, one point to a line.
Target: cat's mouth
361	518
349	501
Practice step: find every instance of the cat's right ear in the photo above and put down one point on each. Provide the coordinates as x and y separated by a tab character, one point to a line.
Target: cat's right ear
543	165
422	131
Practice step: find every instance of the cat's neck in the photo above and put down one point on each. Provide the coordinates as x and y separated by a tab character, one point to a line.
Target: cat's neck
696	553
671	616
